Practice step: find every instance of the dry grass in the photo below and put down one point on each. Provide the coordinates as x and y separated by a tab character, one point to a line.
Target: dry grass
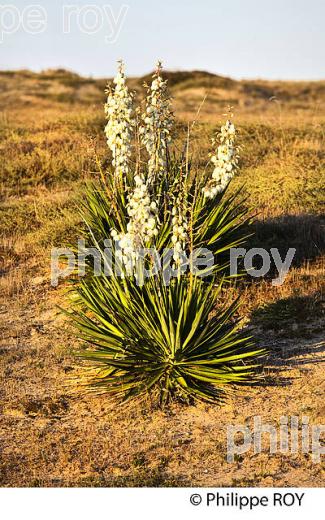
50	434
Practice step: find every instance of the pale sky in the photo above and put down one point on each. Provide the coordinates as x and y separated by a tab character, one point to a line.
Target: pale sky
274	39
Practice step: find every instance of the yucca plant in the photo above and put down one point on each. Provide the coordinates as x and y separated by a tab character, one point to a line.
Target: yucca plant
144	334
162	338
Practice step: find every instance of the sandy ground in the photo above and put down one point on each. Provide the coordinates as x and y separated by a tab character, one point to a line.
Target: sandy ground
52	436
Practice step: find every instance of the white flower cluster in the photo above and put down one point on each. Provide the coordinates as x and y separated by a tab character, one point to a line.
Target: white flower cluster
118	130
157	122
180	227
142	225
225	161
142	213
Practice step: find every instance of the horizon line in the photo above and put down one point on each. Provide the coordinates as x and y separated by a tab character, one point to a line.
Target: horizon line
173	71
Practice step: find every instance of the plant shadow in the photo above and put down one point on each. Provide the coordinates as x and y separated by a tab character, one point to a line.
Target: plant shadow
292	331
304	233
290	328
